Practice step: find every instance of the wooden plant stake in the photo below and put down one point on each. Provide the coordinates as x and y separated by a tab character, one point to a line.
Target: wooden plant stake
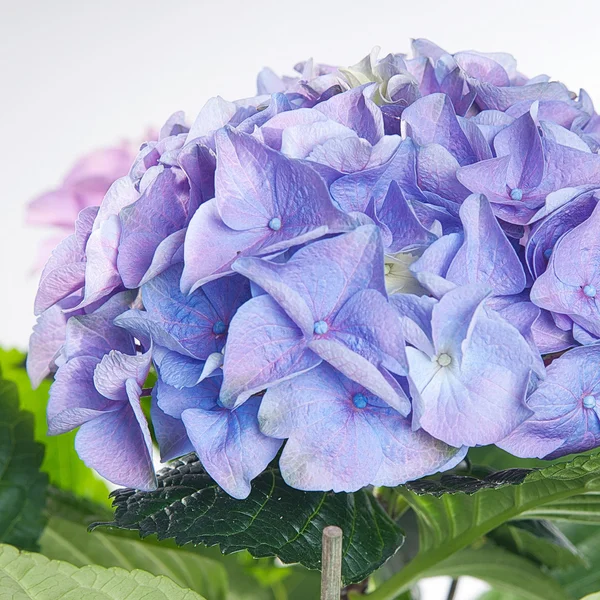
331	563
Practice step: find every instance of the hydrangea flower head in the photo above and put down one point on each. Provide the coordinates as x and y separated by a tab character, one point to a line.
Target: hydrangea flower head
365	270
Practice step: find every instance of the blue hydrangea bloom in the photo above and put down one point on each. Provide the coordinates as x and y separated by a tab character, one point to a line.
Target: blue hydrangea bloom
358	263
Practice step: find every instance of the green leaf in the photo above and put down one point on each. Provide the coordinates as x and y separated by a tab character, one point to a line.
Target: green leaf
275	520
65	469
498	595
504	570
66	538
595	596
577	580
28	576
582	580
22	485
540	541
584	508
454	511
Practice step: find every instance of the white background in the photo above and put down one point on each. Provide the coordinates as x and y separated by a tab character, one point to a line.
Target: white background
76	75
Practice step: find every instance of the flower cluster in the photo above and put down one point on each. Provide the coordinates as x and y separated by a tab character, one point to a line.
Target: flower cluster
363	271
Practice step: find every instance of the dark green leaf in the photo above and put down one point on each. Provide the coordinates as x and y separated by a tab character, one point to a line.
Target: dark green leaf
22	485
65	469
275	520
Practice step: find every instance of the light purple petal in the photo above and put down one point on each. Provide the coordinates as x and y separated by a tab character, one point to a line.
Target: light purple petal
562	424
264	347
362	371
118	446
355	110
432	120
486	256
73	398
171	434
116	369
161	211
230	445
44	344
346	264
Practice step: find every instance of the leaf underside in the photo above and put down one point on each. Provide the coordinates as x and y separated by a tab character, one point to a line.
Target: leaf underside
275	520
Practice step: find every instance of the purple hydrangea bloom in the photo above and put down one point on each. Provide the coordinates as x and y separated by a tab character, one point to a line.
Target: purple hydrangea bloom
255	211
188	331
390	252
481	254
533	159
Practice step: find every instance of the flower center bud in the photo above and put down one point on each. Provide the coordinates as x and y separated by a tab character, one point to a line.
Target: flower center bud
320	327
275	224
387	269
444	360
219	328
589	291
516	194
589	401
359	400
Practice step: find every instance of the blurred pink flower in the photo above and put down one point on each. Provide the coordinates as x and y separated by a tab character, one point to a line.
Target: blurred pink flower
85	185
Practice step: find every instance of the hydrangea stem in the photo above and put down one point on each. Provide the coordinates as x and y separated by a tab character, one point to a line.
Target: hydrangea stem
331	564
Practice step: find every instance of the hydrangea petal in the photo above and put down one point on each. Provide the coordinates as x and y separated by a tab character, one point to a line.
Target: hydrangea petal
171	434
161	211
561	424
355	110
486	256
116	369
230	445
264	347
126	433
73	398
432	120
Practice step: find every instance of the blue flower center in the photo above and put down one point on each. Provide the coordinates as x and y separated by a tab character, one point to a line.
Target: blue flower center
320	327
548	252
359	400
219	328
275	224
516	194
589	291
589	401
